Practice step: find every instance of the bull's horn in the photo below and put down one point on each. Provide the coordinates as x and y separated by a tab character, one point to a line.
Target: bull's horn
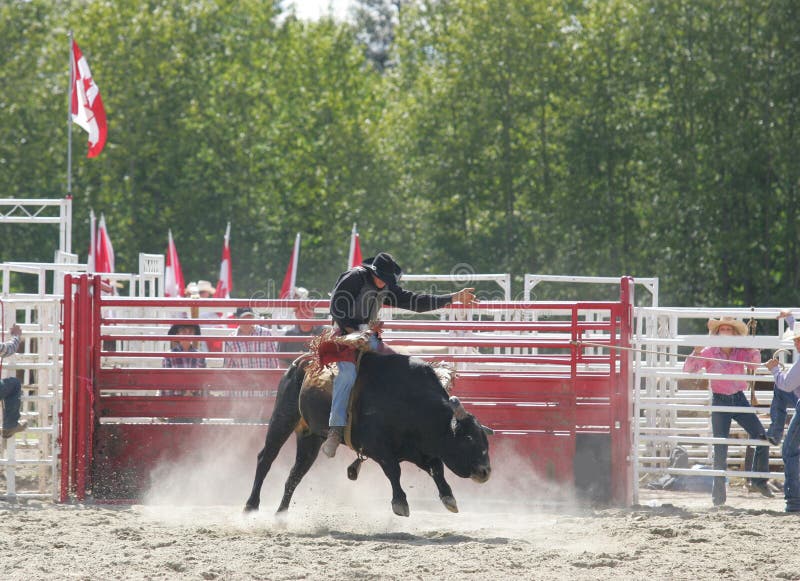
487	430
459	412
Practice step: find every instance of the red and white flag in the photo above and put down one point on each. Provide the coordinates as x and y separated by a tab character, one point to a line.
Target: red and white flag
86	107
225	282
287	288
354	257
104	251
92	242
173	275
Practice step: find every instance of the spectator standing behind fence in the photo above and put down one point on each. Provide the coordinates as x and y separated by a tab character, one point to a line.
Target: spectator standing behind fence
242	345
789	382
11	389
183	346
300	329
781	400
730	393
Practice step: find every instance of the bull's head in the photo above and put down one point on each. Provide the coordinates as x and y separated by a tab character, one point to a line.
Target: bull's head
470	446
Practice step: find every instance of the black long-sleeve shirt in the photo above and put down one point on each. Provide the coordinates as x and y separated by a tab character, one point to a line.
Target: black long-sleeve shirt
356	300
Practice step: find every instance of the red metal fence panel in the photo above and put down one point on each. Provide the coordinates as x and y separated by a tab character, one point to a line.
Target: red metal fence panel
526	375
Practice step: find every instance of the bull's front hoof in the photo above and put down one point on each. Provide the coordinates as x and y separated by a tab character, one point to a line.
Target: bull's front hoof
400	507
250	508
449	503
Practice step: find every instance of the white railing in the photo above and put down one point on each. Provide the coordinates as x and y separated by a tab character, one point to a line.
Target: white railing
36	211
674	412
149	282
33	454
467	279
531	281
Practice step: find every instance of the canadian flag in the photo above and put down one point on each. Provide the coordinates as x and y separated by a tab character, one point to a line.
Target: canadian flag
86	107
104	251
173	275
287	288
354	257
225	282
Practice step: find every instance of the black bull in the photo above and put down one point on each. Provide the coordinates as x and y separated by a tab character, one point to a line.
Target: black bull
403	414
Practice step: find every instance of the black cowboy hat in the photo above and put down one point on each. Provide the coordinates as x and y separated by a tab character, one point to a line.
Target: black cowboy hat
384	267
241	311
173	330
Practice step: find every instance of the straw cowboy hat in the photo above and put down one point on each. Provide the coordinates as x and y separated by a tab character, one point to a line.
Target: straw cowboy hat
205	286
715	324
792	333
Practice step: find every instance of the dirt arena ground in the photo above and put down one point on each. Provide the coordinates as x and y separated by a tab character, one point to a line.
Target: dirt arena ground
191	527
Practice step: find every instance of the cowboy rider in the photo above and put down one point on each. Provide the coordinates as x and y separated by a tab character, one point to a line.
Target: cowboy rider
355	301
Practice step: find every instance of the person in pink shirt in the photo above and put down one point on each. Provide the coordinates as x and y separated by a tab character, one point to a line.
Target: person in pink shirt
730	393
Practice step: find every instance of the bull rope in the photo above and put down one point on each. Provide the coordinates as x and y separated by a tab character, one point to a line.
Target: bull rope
646	351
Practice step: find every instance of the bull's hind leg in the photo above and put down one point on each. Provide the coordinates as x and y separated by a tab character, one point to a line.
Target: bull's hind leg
280	428
435	468
308	446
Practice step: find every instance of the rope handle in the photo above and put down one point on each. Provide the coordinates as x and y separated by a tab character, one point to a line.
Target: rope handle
646	351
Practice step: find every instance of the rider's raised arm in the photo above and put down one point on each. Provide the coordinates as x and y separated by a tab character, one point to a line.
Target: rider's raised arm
417	302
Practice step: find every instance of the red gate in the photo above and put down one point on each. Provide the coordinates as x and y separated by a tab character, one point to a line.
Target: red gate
562	405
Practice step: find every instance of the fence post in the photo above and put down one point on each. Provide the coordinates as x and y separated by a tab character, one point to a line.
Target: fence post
621	457
66	431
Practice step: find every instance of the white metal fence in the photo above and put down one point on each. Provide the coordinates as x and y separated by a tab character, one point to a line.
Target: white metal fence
674	408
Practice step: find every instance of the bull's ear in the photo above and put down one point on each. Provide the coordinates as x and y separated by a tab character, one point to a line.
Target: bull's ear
459	412
487	430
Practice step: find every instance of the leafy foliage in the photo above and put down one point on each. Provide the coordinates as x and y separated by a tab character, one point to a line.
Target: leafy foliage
601	137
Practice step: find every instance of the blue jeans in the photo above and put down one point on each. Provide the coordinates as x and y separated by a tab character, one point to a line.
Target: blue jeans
791	463
11	394
343	384
721	428
781	401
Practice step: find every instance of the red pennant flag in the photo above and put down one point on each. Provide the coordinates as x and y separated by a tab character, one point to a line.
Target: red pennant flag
173	274
354	257
225	282
92	242
287	288
86	107
104	257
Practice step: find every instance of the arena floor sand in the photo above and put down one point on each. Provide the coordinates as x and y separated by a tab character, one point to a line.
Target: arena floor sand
191	526
669	536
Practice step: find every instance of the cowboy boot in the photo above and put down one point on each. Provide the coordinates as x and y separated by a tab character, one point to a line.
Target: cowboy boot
335	437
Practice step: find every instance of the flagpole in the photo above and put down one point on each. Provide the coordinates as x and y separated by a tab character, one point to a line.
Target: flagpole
69	118
352	247
294	260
